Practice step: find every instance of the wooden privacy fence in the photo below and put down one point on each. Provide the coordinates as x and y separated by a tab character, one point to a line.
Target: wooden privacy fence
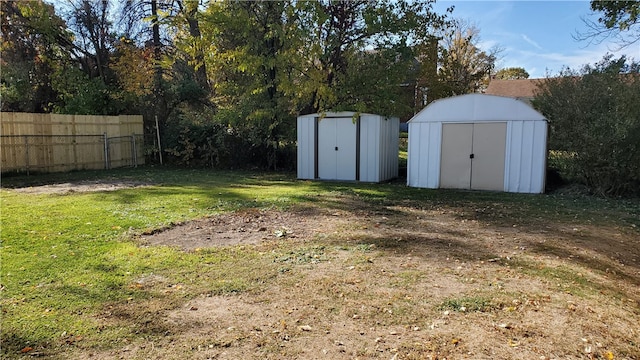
56	142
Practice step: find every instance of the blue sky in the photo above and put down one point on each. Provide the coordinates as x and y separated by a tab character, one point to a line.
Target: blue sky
536	35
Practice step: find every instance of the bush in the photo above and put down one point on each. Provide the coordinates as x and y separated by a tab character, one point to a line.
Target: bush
200	138
594	119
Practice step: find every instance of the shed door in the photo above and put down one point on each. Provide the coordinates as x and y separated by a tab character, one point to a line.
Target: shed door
455	165
487	165
472	156
337	149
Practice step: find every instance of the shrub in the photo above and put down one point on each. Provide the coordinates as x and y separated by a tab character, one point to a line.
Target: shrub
594	115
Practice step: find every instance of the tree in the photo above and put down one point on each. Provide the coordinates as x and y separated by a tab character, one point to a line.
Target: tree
341	34
619	20
594	119
464	67
95	38
34	43
512	73
249	48
86	82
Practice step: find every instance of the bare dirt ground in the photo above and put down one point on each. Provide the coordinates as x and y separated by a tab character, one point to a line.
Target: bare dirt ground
408	283
81	186
394	282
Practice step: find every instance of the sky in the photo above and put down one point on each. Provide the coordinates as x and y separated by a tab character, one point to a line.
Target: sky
536	35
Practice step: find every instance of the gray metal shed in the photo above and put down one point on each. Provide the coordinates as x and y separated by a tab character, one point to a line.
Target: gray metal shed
347	146
478	141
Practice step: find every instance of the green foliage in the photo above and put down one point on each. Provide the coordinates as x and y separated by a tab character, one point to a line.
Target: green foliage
594	118
79	94
617	14
250	67
193	140
199	137
33	44
512	73
619	20
464	67
341	38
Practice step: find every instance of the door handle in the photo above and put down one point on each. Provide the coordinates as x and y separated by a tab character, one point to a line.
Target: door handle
471	156
336	148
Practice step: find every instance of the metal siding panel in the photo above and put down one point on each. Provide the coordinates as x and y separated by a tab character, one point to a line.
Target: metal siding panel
376	138
385	145
526	161
311	147
424	156
434	142
539	163
507	156
305	138
383	142
424	152
526	154
300	144
413	154
366	148
375	150
516	156
393	127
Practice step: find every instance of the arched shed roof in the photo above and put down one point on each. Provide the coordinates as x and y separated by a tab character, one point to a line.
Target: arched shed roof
477	107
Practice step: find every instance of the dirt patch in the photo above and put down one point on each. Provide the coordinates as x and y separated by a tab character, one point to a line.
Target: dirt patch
250	226
81	186
400	282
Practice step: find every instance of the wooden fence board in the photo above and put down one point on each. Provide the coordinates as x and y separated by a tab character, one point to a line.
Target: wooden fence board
59	142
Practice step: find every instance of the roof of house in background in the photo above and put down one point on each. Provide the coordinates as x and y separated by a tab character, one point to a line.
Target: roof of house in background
518	88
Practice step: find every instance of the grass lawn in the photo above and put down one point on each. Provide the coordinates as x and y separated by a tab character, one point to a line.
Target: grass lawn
369	271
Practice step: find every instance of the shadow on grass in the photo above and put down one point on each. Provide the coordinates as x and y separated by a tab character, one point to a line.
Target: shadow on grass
593	233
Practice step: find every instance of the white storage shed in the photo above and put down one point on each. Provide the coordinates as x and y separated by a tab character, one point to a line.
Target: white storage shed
478	141
347	146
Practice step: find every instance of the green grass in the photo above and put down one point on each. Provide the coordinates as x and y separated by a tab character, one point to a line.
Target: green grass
470	304
66	258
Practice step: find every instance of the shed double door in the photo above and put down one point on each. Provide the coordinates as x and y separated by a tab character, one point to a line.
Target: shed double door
337	139
473	156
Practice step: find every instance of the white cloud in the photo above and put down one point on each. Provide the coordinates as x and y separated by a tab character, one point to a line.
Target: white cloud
531	42
553	62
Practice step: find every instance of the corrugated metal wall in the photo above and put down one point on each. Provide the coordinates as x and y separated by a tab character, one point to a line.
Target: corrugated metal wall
525	148
423	167
306	147
379	141
526	156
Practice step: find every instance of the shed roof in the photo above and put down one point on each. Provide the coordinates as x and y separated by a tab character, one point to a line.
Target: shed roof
338	114
475	108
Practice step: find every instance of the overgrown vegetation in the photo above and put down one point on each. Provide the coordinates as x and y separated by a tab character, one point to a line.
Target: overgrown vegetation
594	119
226	79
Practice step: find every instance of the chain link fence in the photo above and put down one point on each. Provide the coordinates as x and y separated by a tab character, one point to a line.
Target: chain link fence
57	153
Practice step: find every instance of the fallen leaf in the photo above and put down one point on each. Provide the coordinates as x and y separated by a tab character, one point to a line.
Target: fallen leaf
455	342
26	349
608	355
